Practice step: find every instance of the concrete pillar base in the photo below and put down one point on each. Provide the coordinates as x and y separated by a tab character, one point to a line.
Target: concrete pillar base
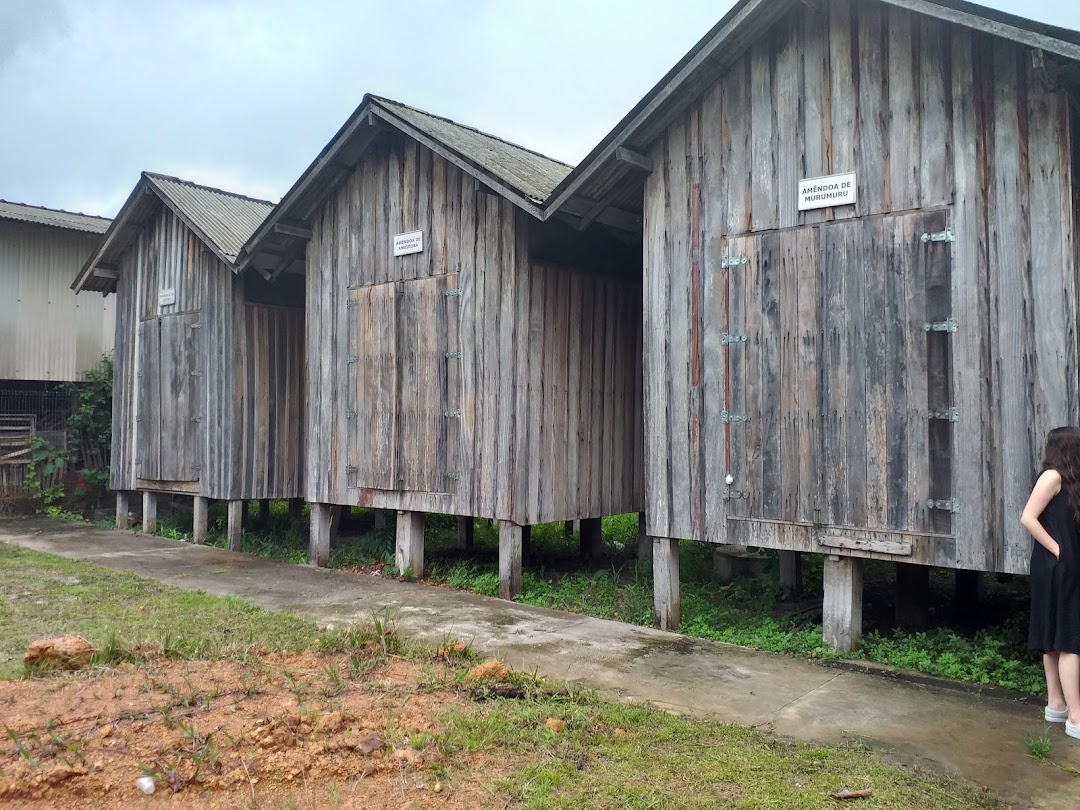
666	597
842	609
409	555
511	542
198	519
149	512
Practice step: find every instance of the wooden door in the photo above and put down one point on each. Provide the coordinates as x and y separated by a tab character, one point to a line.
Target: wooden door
404	416
169	430
836	405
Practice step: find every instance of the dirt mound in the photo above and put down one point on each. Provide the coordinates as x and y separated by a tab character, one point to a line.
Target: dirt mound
279	729
494	671
65	652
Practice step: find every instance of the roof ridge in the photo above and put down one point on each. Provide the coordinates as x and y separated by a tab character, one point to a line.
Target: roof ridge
385	99
193	184
56	210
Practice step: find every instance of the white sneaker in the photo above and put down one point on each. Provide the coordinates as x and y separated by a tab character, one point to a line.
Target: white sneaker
1056	715
1071	730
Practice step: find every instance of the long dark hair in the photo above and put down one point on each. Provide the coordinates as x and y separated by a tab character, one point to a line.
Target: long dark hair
1063	455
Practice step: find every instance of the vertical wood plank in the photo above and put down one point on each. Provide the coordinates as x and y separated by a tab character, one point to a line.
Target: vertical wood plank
770	410
817	101
936	114
764	211
904	132
844	94
654	340
873	55
875	306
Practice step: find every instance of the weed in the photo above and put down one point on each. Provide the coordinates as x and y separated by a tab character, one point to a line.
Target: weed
1039	746
335	681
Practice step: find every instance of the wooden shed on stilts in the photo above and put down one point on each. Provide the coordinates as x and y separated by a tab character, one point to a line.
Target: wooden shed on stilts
464	357
209	362
860	284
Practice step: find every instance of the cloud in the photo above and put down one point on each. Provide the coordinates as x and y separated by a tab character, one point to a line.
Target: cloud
23	24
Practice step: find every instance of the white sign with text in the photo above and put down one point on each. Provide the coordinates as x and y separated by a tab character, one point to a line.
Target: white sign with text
166	297
827	192
406	243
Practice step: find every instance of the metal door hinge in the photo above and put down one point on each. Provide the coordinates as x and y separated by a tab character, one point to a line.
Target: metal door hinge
196	419
951	505
350	414
350	304
138	418
727	338
949	326
453	355
730	417
951	415
198	468
452	414
453	476
734	495
729	262
456	291
196	326
946	235
351	361
196	374
350	470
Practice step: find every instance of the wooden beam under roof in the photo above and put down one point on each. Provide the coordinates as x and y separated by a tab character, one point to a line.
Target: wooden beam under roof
299	230
633	159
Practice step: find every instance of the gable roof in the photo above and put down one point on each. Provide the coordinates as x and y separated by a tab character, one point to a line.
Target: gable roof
53	217
521	175
221	219
596	175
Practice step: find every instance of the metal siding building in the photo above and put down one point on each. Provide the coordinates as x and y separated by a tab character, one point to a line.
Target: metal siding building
46	333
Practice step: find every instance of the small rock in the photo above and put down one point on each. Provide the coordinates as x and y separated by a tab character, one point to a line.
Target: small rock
369	744
489	671
106	731
145	784
620	732
555	724
65	652
437	788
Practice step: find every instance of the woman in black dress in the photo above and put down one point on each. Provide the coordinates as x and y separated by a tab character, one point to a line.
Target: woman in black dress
1052	516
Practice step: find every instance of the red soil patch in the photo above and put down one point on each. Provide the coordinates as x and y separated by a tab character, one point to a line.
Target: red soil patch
310	730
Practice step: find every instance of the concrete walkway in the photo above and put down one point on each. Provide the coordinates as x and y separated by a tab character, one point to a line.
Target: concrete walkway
978	737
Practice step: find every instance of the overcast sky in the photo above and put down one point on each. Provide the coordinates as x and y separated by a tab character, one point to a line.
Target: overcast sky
243	94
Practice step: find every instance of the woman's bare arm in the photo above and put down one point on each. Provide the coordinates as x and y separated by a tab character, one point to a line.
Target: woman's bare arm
1048	485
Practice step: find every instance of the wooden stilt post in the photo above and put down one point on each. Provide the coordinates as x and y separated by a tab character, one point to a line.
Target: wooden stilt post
235	529
968	592
526	543
912	596
296	509
842	608
319	534
510	553
122	509
666	596
466	529
198	519
592	538
568	527
380	519
644	542
410	544
791	572
149	512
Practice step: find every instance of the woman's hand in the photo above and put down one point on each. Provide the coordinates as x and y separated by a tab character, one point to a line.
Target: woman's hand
1048	485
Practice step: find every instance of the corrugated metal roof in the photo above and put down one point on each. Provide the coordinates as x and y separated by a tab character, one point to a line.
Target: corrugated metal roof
224	219
741	27
53	217
529	172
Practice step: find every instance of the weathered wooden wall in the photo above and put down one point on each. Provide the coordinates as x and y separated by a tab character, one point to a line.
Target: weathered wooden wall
542	350
931	117
208	391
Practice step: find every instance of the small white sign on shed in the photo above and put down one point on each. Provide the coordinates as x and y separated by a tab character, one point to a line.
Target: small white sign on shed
406	243
166	297
827	192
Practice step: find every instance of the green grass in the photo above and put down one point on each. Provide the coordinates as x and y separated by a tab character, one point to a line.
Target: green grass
122	614
751	611
619	756
608	756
